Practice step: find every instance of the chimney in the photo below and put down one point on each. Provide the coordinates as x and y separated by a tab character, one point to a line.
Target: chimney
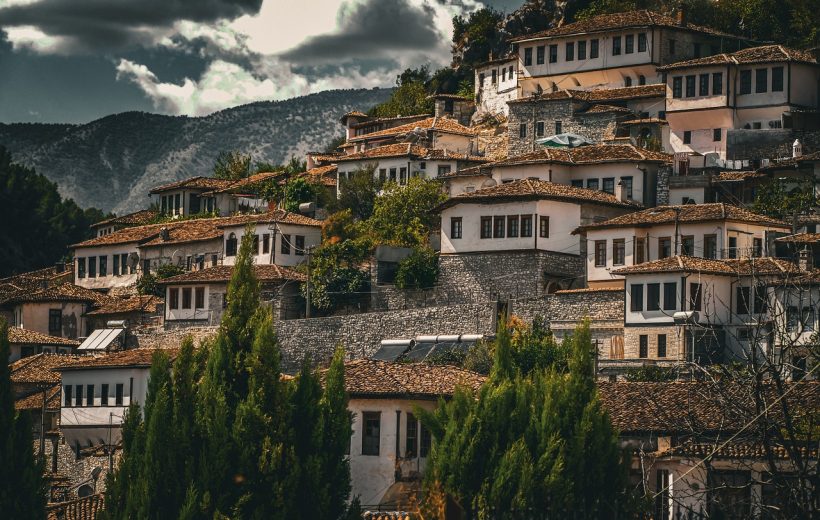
681	17
803	260
164	234
620	191
797	148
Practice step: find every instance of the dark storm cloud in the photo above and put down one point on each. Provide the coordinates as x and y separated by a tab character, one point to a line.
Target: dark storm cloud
110	24
370	29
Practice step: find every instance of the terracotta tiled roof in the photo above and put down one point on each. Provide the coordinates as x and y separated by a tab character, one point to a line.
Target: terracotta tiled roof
32	281
248	183
353	113
590	290
592	154
20	336
645	121
763	54
277	215
137	357
737	176
377	120
691	406
373	378
791	162
131	235
615	21
186	231
203	183
408	150
137	218
604	109
472	171
85	508
322	158
687	213
731	267
64	292
454	97
35	401
222	274
39	369
599	95
438	124
800	238
325	175
739	450
530	189
142	303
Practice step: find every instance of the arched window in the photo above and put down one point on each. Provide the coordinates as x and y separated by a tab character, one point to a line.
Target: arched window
85	490
230	245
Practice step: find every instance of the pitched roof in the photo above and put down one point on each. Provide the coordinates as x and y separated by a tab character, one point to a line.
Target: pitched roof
438	124
199	182
729	266
605	109
791	162
610	22
138	218
408	149
687	213
592	154
800	238
85	508
247	183
396	119
34	401
374	378
737	176
192	230
531	189
64	292
740	450
18	336
325	175
138	357
222	274
31	281
39	369
352	113
602	95
140	303
762	54
276	215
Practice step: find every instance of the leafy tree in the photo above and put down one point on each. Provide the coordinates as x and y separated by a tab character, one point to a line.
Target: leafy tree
358	193
419	270
403	214
299	190
147	283
782	201
529	442
232	165
336	276
410	96
478	35
22	490
337	430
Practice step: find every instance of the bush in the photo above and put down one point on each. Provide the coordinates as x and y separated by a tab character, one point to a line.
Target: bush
418	271
147	284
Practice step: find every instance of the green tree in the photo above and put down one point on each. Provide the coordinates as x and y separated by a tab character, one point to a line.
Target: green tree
786	201
147	283
22	490
336	438
403	215
336	277
530	442
299	190
419	270
358	193
410	96
232	165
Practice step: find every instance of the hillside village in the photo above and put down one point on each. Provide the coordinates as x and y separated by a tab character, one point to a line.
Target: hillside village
607	169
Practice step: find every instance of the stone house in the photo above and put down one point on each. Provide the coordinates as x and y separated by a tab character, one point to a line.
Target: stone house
437	132
25	343
185	197
453	106
736	105
389	446
358	124
712	231
28	282
134	310
496	83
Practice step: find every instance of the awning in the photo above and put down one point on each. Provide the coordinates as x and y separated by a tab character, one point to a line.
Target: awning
100	339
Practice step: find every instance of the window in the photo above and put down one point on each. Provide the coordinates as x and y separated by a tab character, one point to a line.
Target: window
703	85
792	317
627	81
616	45
55	322
173	295
653	297
661	345
730	494
717	83
559	126
757	247
89	395
512	226
522	130
230	245
672	47
695	297
761	80
670	296
582	50
402	176
642	42
493	79
115	269
528	56
743	300
677	87
486	227
426	442
526	226
68	393
717	135
284	246
498	227
690	86
639	255
570	51
593	48
178	203
81	268
163	205
609	184
687	137
643	346
732	247
186	297
807	319
118	395
629	44
600	253
539	55
78	395
618	251
455	227
687	244
592	184
300	245
199	298
553	53
664	247
710	246
641	80
761	299
382	175
392	175
104	394
627	185
449	107
745	82
266	243
777	79
411	445
371	421
539	129
92	266
255	245
511	72
444	169
696	49
577	183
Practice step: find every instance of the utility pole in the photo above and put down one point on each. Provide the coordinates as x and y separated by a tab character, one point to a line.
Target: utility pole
43	427
309	251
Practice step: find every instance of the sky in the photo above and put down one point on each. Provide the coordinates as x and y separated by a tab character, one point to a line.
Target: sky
73	61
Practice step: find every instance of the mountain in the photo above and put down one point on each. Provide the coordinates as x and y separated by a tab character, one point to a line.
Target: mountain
112	162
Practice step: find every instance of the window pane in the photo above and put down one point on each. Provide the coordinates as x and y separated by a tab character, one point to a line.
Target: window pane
371	422
653	296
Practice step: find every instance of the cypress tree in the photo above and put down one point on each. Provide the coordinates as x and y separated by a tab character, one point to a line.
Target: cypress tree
123	483
336	438
306	420
22	489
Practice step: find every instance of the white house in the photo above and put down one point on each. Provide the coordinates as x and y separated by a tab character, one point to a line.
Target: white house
280	237
357	124
442	133
138	218
390	446
712	231
795	309
97	393
496	83
58	311
710	100
185	197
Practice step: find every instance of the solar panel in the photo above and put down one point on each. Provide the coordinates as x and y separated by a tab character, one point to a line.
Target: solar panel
390	352
100	339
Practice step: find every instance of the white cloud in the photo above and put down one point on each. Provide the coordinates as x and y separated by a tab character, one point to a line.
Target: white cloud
32	38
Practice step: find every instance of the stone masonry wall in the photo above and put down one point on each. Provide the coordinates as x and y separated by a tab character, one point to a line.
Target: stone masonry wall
768	144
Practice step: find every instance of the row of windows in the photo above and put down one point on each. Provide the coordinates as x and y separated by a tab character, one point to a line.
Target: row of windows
643	346
288	242
664	296
494	76
418	439
697	85
187	292
607	184
504	226
578	49
172	204
761	80
73	395
717	136
97	266
687	248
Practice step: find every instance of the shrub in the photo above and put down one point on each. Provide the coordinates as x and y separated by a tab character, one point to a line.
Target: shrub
418	271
